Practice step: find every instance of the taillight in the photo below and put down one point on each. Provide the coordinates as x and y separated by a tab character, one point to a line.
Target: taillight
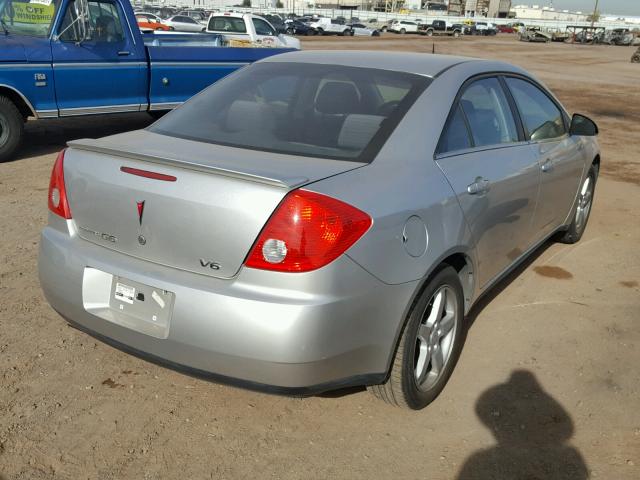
58	203
307	231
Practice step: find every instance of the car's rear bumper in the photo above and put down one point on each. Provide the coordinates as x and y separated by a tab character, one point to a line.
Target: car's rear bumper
296	333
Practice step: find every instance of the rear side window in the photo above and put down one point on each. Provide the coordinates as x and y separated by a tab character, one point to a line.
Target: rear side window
456	134
541	117
488	113
227	24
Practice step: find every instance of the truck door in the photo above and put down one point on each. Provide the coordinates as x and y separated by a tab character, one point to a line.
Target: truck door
106	71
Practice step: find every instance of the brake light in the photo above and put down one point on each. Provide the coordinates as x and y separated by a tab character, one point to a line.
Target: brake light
307	231
58	203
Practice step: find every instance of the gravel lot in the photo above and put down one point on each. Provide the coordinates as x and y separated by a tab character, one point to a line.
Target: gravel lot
548	385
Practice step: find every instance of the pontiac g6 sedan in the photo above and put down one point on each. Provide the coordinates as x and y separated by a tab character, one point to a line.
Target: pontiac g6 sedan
317	219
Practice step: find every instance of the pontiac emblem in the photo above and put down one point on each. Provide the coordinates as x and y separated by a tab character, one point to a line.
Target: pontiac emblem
140	211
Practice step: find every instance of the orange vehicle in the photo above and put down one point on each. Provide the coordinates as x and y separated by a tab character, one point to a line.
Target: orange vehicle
149	21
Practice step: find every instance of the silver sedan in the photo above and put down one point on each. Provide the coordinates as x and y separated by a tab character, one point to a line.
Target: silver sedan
317	219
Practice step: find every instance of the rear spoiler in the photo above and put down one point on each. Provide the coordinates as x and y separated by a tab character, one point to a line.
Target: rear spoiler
90	145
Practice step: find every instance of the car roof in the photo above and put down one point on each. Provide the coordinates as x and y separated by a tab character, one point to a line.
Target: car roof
418	63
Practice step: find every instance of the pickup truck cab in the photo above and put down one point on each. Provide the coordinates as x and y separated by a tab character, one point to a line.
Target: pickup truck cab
249	28
62	58
440	27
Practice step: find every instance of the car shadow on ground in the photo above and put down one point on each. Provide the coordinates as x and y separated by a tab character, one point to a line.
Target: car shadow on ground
42	137
532	431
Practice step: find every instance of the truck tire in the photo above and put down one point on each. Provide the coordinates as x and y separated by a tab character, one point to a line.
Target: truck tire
11	128
429	33
635	58
456	33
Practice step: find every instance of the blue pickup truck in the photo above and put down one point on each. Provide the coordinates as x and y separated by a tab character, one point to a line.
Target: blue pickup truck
61	58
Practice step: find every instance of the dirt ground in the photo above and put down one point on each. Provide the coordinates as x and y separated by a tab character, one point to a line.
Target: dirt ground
548	385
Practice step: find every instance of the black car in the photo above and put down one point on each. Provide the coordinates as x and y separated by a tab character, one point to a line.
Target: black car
296	27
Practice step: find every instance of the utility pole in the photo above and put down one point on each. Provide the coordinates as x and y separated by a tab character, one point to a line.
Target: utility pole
593	16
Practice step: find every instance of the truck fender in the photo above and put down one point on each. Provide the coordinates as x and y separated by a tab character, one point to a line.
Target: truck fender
21	102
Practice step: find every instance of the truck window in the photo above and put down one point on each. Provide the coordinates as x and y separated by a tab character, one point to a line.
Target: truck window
262	27
104	23
227	24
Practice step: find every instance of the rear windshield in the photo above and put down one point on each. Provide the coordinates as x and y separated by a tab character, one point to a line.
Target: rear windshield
327	111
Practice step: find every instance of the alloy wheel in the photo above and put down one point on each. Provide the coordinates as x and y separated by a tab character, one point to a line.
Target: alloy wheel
434	342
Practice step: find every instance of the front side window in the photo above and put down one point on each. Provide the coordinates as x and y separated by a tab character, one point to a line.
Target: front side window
541	117
262	27
21	17
104	25
488	113
323	111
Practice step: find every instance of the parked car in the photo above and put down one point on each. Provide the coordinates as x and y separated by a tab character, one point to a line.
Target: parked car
362	30
46	68
328	26
440	28
534	34
485	28
253	28
182	23
198	15
149	21
296	27
403	26
505	28
276	22
326	219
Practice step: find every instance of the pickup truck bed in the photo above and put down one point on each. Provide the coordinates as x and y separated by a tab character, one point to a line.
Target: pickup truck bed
55	73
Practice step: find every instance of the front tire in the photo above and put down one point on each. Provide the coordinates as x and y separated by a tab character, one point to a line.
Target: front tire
582	210
11	128
402	31
429	346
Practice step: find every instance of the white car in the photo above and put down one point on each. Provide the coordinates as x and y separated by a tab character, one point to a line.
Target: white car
328	26
238	26
182	23
362	30
403	26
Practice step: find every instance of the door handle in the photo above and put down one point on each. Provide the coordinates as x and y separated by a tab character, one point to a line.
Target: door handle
547	166
479	187
123	53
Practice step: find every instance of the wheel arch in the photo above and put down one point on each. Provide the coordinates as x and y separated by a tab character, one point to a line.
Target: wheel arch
461	261
19	100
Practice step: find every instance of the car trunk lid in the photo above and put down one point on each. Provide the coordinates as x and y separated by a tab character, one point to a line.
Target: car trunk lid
201	211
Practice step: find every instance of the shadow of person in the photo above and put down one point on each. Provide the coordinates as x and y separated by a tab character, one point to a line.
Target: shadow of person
532	430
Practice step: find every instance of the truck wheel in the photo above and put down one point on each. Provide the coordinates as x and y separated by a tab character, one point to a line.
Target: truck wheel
635	58
11	128
320	31
429	33
456	34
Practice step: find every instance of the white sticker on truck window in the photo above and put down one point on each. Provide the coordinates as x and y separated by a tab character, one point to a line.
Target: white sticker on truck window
42	2
125	293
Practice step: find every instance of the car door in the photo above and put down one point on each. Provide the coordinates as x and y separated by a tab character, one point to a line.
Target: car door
559	155
105	72
493	173
265	33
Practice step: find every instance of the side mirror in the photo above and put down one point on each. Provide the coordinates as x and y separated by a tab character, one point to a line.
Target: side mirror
583	126
82	17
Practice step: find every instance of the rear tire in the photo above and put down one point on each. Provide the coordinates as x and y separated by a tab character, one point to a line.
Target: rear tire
403	31
11	128
582	210
429	346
